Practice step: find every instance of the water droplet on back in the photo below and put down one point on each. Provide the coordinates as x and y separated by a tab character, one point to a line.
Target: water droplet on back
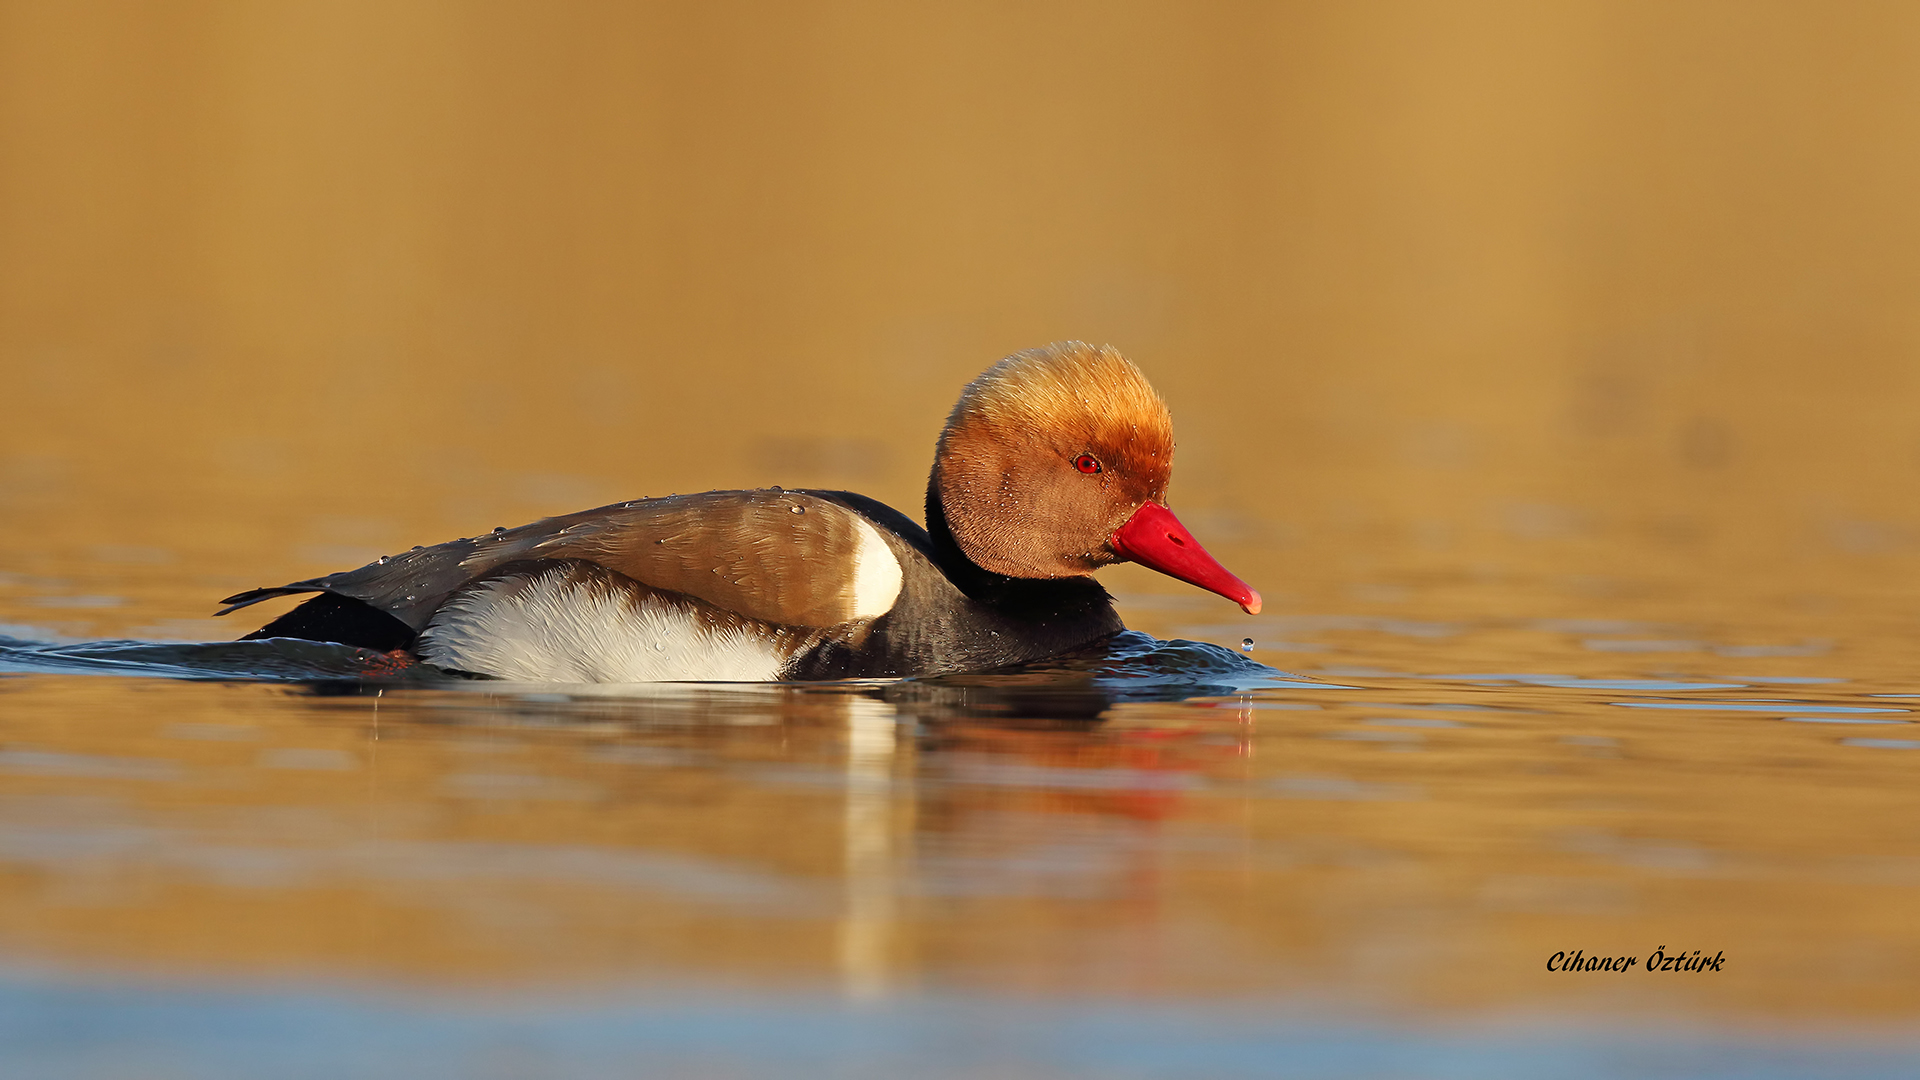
799	509
382	559
1246	644
498	529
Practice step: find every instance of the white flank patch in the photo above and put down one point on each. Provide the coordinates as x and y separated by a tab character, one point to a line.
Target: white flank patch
558	630
876	573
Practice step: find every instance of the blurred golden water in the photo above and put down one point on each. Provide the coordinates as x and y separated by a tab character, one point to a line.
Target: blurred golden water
1569	339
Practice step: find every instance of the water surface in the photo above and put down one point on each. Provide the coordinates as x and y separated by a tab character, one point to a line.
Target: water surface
1163	851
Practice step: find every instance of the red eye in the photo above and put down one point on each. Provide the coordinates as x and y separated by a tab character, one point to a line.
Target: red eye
1087	463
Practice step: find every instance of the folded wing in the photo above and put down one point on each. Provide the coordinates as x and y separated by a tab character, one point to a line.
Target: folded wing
779	557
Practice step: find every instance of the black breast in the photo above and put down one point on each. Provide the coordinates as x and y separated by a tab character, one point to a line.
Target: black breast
954	616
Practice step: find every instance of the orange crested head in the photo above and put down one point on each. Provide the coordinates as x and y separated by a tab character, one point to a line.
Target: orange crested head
1047	454
1056	462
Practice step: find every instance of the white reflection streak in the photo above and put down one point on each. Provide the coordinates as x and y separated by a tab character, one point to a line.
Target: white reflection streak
866	926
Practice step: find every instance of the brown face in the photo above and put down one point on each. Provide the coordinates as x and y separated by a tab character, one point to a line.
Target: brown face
1047	455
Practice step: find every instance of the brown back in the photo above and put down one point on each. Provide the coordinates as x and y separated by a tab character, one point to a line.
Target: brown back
777	556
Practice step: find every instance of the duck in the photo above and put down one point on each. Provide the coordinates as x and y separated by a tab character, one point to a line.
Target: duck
1054	463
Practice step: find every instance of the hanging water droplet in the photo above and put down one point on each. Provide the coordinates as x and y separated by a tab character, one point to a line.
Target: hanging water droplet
1246	644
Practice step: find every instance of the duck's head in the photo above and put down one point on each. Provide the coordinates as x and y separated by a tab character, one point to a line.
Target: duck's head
1055	463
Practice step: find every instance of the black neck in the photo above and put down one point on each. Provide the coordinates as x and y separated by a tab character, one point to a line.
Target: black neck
998	590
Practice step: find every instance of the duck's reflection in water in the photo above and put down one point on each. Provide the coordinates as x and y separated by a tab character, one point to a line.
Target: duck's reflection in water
879	796
886	812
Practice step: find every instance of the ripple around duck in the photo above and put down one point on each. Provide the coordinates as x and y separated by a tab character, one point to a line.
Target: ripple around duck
1128	666
268	660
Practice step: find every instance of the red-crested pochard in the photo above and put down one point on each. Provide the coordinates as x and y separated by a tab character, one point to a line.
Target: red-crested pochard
1054	464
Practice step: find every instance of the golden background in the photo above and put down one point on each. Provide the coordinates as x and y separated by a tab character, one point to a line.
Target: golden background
1584	310
290	276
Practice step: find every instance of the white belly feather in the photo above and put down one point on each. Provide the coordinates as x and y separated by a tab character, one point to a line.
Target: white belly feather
557	628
